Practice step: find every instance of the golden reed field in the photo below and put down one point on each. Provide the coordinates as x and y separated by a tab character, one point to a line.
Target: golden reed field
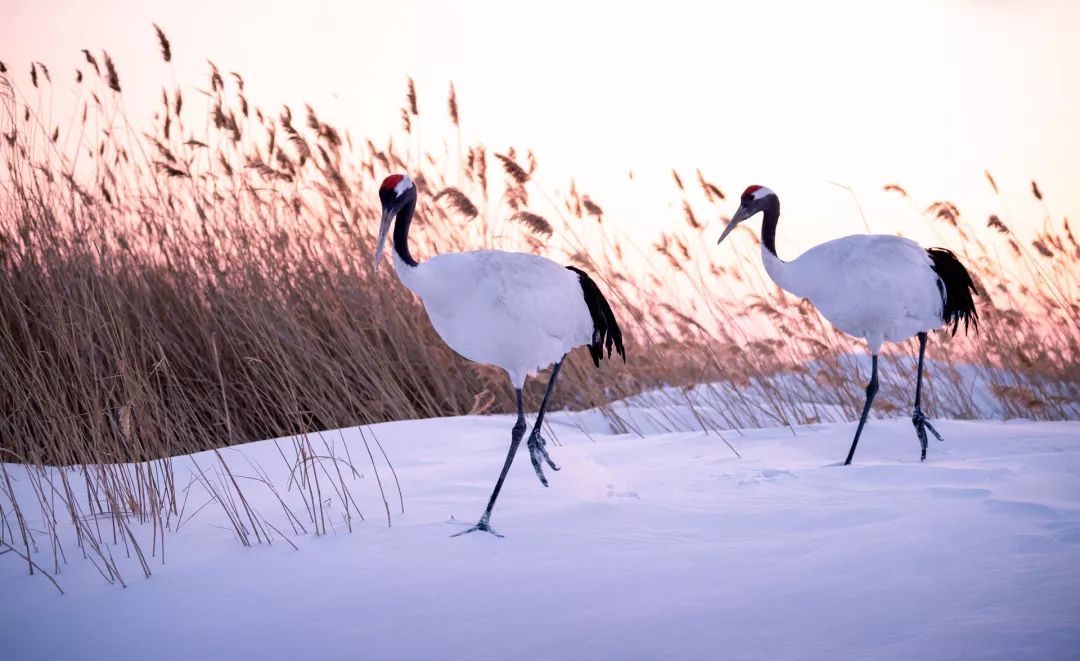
193	284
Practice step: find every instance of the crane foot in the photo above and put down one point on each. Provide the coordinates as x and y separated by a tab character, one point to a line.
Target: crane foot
922	423
538	453
482	526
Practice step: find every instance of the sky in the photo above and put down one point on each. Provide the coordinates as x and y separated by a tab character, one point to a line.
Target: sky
791	95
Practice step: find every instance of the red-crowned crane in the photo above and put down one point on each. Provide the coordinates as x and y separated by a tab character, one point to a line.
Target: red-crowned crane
517	311
878	287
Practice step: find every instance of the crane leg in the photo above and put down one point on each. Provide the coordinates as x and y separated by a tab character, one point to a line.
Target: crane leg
537	445
515	440
921	422
871	390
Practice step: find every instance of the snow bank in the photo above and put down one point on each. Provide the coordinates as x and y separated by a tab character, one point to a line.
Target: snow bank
667	546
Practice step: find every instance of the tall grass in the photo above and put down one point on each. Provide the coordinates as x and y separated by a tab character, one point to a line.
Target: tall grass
190	285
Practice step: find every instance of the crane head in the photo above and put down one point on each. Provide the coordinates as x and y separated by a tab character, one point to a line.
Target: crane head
396	192
753	201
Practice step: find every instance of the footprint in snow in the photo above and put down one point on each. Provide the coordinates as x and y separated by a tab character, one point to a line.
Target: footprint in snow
767	475
1022	508
1035	544
612	493
1066	532
957	492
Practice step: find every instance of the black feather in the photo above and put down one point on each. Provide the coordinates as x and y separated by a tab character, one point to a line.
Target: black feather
958	303
606	332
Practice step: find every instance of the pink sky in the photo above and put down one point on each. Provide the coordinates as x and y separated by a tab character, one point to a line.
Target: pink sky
786	94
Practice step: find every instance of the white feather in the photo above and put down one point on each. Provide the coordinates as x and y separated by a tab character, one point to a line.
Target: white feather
761	193
518	311
879	287
403	185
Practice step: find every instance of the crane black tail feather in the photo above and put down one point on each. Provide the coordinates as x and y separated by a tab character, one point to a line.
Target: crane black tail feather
958	289
606	332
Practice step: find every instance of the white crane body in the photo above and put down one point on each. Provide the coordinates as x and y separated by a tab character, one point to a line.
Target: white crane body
876	286
518	311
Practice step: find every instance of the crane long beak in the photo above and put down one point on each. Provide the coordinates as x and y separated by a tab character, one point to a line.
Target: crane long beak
739	216
384	229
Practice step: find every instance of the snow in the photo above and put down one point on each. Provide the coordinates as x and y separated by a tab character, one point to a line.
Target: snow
662	546
755	402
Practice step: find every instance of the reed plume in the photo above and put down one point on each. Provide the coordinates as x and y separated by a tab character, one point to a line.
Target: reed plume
515	171
453	107
537	224
111	77
458	201
163	43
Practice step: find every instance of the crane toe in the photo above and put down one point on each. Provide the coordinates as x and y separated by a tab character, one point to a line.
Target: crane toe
539	455
922	423
482	526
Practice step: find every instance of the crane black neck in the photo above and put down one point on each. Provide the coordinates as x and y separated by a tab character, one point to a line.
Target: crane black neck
401	229
771	213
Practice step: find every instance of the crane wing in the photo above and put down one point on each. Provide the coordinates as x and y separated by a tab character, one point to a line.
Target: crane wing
520	290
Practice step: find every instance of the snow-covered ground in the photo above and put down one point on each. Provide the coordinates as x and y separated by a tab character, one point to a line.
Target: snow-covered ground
667	546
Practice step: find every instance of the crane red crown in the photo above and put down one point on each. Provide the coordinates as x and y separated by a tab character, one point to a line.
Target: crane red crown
391	182
750	190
